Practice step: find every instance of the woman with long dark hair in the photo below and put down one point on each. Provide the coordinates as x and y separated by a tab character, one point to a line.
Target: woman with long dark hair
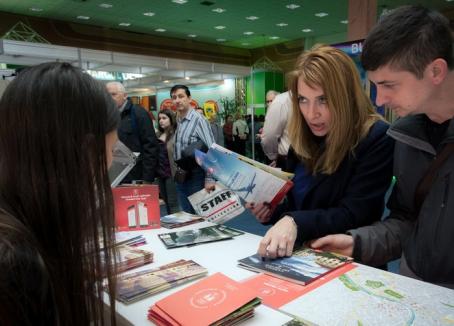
167	124
57	132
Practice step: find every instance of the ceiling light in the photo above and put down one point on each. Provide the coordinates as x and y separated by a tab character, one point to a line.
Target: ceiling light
321	14
149	14
125	24
282	24
219	10
106	5
344	21
180	2
219	27
252	17
248	33
36	9
307	30
192	35
292	6
221	39
274	37
166	81
187	77
83	17
161	30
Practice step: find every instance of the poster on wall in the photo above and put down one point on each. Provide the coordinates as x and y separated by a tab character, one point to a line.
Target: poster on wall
354	50
210	107
168	104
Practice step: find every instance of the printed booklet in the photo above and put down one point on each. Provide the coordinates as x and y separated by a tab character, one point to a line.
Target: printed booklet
180	219
197	236
136	286
217	206
304	266
251	180
136	207
215	300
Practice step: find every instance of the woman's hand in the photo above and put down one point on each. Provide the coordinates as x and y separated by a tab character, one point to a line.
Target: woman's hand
280	239
339	243
261	211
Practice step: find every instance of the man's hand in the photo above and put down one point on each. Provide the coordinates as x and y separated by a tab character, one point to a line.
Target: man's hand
339	243
273	163
261	211
279	240
210	186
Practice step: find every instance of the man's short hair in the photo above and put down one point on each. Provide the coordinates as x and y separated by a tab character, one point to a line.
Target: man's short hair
118	85
176	87
272	92
408	38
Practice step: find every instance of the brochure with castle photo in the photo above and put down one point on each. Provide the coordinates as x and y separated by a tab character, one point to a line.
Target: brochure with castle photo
136	207
215	300
251	180
136	286
197	236
217	206
304	266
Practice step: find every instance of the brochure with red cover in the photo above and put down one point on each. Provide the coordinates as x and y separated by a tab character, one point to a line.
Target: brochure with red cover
136	207
276	292
216	300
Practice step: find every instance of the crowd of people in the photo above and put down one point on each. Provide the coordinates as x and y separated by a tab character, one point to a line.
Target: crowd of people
58	128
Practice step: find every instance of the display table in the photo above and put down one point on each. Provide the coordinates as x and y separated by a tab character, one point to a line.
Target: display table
363	296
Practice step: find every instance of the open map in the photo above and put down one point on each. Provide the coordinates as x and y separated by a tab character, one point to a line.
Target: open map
368	296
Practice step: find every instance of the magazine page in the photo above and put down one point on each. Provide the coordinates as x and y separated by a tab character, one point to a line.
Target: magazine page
251	183
217	206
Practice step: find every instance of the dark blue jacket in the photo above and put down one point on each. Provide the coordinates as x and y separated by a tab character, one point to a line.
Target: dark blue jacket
353	196
139	136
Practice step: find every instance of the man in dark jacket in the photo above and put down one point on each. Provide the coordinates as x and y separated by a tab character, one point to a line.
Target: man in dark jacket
409	57
136	131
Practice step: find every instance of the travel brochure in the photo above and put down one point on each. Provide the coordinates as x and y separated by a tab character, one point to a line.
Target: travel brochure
215	300
217	206
251	180
304	266
197	236
136	286
180	219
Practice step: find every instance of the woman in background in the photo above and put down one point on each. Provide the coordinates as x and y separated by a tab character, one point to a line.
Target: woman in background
340	155
57	132
166	137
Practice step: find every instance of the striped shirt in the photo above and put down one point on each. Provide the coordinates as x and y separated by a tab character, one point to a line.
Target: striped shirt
193	127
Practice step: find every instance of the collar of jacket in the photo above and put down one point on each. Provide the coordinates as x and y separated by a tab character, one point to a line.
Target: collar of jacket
411	130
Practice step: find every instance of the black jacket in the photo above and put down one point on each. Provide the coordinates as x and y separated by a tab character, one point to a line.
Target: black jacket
352	196
139	136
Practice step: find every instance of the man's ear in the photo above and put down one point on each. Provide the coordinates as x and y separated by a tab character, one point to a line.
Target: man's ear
438	69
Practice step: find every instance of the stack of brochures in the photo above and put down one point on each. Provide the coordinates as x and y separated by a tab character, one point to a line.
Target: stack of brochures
179	219
129	238
136	286
132	257
251	180
197	236
303	267
215	300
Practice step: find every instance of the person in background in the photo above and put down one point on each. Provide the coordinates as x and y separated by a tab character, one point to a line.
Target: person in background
167	125
408	55
136	131
228	133
258	126
269	97
57	133
216	129
340	155
193	132
201	111
240	132
275	139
